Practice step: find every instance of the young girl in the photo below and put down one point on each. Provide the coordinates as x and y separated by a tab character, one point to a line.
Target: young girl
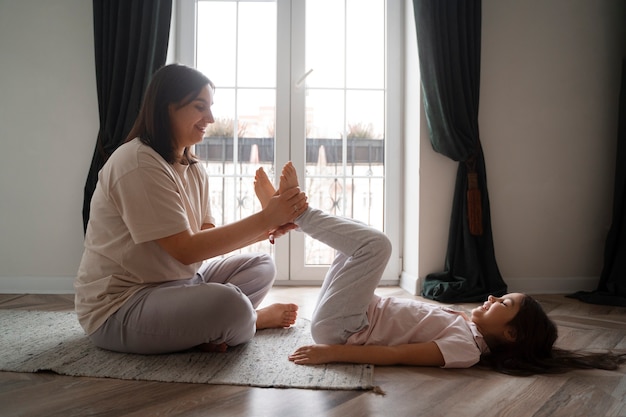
352	324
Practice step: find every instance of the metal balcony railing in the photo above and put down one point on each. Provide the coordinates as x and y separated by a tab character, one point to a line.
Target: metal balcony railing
358	151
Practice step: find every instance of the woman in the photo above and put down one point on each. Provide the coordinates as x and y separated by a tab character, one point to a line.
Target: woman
143	285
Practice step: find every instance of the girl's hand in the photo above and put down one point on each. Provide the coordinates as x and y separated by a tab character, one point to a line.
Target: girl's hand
313	355
417	354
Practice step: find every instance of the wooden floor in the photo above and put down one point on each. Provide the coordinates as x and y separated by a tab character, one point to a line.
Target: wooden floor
410	391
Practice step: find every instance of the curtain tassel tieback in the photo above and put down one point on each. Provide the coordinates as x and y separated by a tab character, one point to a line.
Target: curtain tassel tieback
474	207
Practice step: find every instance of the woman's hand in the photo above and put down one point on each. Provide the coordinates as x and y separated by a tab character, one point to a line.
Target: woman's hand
284	208
188	247
281	231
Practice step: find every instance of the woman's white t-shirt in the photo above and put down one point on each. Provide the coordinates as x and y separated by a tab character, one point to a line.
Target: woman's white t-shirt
139	198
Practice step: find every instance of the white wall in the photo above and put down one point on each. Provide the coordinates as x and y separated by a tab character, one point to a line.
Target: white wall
548	120
550	79
48	127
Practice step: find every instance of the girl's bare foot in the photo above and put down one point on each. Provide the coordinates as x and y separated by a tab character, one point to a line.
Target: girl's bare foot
265	190
288	178
263	187
276	316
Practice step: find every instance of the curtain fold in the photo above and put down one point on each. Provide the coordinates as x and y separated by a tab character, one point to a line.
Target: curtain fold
611	288
449	41
130	42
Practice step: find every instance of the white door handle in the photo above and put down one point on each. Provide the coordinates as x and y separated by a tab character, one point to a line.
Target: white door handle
301	80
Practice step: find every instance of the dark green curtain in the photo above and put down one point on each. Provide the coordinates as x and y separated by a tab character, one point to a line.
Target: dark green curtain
612	286
448	38
130	38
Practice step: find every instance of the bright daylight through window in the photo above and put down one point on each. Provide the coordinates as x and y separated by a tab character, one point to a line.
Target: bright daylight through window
304	81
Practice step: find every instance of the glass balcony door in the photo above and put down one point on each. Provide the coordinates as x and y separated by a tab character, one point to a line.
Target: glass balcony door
307	81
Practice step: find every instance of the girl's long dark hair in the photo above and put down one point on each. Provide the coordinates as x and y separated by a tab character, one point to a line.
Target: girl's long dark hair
172	84
533	351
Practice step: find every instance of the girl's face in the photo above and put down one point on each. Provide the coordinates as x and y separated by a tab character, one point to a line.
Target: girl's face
190	121
492	317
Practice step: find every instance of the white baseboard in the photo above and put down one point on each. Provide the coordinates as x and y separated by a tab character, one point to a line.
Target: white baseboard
410	283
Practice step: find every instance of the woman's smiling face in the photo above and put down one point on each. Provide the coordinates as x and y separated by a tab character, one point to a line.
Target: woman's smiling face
190	121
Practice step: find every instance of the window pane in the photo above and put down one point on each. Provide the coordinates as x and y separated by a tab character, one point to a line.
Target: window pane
217	40
366	197
365	44
257	110
324	114
233	198
224	105
365	114
257	44
325	43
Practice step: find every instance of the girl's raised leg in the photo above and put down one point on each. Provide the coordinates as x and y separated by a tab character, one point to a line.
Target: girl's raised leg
349	285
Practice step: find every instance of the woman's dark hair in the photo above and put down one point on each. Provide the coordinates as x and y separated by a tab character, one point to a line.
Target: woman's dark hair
533	350
172	84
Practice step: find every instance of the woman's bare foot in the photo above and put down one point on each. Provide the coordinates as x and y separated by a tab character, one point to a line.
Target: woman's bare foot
276	316
263	187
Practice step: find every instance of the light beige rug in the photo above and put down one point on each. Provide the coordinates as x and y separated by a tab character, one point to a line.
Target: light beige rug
33	341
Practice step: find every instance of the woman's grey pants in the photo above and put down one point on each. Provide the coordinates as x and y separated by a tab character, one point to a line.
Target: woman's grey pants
217	306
